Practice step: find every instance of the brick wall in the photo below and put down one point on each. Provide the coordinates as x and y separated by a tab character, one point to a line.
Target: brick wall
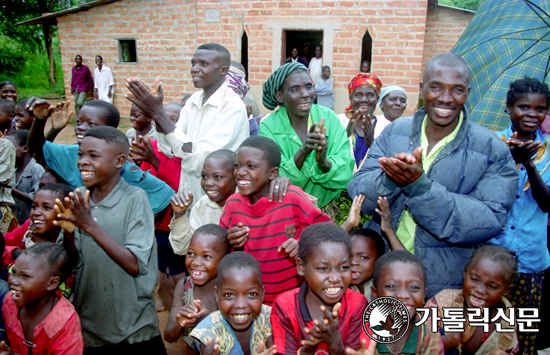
444	26
168	32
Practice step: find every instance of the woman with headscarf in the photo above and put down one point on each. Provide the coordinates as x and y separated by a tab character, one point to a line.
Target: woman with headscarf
314	147
359	119
392	103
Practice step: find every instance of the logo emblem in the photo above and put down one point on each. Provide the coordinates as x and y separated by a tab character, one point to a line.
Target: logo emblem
386	320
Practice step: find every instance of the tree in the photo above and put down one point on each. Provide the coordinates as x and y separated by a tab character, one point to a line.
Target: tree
463	4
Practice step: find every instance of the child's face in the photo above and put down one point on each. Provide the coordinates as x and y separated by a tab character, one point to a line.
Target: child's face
42	211
217	180
23	118
99	162
327	272
6	117
528	112
326	73
31	280
47	178
363	257
240	297
88	117
253	174
484	284
8	92
173	113
403	281
203	256
139	119
20	150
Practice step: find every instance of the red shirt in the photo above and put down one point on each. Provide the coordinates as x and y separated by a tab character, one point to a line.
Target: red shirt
81	79
169	171
14	240
59	333
289	317
271	224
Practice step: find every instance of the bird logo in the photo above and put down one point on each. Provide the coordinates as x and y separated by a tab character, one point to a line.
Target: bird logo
386	320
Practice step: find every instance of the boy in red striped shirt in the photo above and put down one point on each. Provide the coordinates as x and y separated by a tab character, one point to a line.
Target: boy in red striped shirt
267	230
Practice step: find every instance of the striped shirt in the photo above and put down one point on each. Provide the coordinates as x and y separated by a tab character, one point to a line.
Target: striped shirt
271	224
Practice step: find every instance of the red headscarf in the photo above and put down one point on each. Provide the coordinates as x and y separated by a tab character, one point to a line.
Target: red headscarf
363	79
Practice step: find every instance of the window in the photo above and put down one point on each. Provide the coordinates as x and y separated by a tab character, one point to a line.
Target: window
244	53
366	50
127	51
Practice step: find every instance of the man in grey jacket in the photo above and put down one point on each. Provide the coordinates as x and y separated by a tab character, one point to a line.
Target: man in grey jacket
450	182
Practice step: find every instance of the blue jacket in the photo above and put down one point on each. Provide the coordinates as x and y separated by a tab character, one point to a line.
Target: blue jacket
460	203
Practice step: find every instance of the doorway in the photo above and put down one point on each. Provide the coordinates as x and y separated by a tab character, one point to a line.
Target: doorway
301	40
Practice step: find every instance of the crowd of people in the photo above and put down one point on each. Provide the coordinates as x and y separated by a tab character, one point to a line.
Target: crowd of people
232	214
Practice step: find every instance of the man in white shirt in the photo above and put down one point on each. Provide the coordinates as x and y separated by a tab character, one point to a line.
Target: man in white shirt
213	118
316	64
103	81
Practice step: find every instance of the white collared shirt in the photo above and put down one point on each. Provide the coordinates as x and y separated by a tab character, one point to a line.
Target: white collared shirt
221	123
102	80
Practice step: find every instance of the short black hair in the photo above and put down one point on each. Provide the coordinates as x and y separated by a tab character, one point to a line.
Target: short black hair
62	190
496	254
449	60
272	152
7	106
238	66
23	105
526	86
319	46
110	135
396	256
217	231
175	104
112	116
185	98
78	55
237	261
218	48
20	135
316	234
55	256
224	155
7	82
372	235
326	67
56	176
99	56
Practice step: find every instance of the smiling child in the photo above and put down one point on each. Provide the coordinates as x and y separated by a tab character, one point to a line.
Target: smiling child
488	277
401	274
322	315
218	183
38	318
194	295
257	225
110	229
141	125
241	326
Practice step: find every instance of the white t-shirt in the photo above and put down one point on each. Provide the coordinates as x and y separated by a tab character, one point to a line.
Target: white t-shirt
102	80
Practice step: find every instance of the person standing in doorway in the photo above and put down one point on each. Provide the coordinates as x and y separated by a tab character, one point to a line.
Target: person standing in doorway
81	83
316	65
104	83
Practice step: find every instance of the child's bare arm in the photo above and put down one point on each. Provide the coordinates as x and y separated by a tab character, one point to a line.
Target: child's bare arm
173	330
354	217
385	214
81	217
41	110
180	203
325	331
21	195
212	348
60	117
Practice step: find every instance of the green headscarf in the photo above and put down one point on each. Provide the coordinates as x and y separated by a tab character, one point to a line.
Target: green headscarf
275	81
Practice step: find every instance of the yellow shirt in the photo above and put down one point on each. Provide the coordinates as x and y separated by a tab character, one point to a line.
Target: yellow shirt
407	226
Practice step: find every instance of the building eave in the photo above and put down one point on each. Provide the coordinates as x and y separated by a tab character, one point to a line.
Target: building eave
51	18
